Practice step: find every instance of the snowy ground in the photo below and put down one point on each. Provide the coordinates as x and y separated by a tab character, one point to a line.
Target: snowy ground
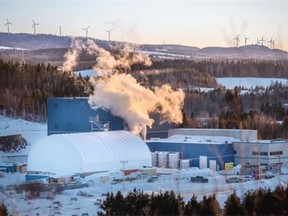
248	82
86	200
10	48
31	131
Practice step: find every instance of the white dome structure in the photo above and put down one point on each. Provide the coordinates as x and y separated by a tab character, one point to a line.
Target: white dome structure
85	153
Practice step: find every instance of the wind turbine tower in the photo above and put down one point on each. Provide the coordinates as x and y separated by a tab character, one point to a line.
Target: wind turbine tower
258	42
8	24
60	31
271	42
86	31
109	34
34	26
246	38
262	41
237	40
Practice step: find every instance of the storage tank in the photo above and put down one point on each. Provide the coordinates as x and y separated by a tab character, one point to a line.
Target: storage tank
173	160
184	164
154	156
162	159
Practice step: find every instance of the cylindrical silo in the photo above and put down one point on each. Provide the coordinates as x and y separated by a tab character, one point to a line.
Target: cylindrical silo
173	160
154	156
184	164
162	159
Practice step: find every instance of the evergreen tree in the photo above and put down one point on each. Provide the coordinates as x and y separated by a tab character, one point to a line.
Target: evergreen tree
3	210
233	205
192	207
136	202
210	206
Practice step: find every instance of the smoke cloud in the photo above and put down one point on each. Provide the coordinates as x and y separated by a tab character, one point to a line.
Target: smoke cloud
124	97
121	94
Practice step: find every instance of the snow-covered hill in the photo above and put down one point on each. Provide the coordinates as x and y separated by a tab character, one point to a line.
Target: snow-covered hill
30	131
248	82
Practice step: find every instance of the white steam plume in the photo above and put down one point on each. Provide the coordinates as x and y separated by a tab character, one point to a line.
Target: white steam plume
105	62
121	93
124	97
71	56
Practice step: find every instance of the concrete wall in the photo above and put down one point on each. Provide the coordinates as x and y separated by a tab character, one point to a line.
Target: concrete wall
243	135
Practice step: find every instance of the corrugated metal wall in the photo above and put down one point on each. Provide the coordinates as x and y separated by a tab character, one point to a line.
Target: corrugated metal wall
70	115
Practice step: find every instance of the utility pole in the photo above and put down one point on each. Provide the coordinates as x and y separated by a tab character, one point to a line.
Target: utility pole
123	163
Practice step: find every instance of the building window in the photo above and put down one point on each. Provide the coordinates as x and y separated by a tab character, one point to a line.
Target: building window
259	153
235	152
276	153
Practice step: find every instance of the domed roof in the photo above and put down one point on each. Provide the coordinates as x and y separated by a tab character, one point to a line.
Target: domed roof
88	152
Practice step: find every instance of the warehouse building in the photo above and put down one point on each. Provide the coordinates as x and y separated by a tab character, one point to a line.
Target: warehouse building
269	154
214	149
240	134
88	153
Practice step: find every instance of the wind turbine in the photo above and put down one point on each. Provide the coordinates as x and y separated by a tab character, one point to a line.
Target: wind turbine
237	40
109	34
246	38
34	26
271	42
60	31
262	41
8	24
258	42
86	30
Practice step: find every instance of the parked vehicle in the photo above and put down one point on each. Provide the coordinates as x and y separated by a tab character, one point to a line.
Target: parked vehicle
199	179
234	180
264	176
248	178
150	180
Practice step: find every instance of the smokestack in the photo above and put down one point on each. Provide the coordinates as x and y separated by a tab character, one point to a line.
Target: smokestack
143	133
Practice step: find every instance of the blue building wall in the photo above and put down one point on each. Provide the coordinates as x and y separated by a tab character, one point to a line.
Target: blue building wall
71	115
221	153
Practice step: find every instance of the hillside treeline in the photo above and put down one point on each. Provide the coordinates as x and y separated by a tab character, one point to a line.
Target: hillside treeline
177	78
24	88
258	202
222	68
262	109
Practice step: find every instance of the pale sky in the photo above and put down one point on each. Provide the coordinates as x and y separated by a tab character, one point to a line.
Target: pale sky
189	22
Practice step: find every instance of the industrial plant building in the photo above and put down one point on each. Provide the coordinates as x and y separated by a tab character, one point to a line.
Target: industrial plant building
266	153
83	140
87	153
74	115
198	150
240	134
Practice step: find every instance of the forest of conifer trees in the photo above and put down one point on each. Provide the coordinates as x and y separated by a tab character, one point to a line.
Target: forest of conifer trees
24	89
